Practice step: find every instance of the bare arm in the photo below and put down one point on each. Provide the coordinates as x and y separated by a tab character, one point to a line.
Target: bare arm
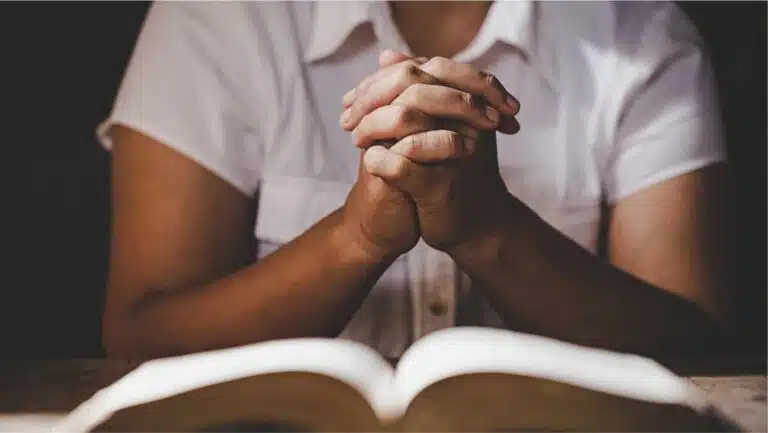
662	293
181	273
662	296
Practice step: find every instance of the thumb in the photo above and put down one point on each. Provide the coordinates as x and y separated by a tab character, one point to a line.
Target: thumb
395	169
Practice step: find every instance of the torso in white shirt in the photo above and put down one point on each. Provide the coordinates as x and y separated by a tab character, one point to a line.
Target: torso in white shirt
253	92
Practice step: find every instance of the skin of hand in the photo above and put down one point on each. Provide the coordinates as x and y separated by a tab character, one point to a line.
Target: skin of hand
381	219
443	116
464	209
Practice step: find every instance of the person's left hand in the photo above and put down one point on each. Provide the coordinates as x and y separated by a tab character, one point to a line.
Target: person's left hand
461	199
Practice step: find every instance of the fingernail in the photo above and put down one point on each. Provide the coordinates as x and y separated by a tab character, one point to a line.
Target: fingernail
491	114
470	144
345	117
513	104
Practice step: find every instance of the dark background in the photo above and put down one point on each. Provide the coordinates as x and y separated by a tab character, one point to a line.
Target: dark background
60	66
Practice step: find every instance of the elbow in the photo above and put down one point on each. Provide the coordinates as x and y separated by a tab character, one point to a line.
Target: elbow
711	326
701	332
115	337
122	336
126	331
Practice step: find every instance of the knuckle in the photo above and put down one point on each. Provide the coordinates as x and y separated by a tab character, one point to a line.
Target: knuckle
409	72
437	64
489	78
413	92
452	142
406	116
414	63
415	144
401	169
465	99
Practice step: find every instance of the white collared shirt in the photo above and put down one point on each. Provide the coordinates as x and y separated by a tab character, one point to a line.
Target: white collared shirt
615	97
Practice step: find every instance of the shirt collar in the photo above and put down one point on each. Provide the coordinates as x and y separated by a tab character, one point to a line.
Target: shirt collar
508	21
333	23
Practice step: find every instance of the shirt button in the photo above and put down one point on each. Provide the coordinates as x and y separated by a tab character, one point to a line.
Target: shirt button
437	308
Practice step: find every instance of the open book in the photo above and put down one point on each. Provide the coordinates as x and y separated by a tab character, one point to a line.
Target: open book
459	379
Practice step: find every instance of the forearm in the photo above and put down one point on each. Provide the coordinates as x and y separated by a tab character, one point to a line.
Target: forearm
309	287
540	281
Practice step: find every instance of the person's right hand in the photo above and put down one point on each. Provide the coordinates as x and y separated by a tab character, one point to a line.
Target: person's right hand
381	221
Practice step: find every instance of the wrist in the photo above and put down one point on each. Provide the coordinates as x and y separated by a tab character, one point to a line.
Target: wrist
486	248
352	246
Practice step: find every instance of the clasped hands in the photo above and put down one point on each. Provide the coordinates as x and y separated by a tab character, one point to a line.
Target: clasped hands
428	166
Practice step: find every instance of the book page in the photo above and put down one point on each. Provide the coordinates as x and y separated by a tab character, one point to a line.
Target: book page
466	350
353	363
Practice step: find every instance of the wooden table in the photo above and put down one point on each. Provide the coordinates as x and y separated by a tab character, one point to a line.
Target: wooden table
35	393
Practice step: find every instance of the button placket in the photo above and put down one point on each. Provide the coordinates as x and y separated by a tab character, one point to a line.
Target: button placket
440	297
418	279
433	278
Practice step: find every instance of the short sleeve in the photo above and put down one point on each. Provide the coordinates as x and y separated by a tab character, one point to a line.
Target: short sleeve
670	122
186	86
